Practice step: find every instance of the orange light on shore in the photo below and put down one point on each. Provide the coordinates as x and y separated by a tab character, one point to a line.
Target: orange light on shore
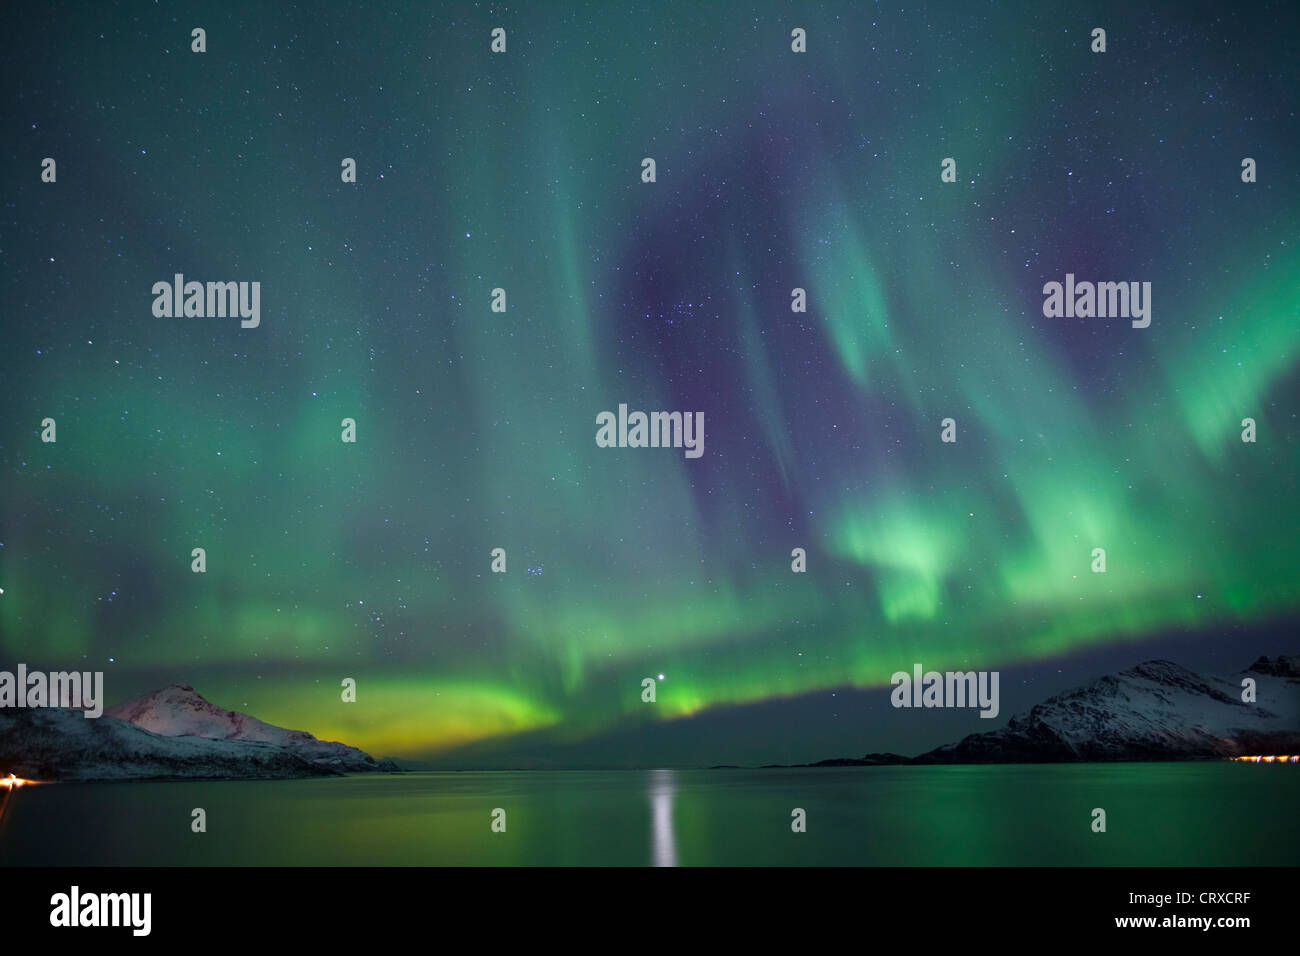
1288	758
12	782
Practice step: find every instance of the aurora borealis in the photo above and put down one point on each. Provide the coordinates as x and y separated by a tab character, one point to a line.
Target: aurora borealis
476	429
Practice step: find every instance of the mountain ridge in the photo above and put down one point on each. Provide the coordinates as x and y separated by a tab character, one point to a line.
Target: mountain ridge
177	710
171	733
1156	710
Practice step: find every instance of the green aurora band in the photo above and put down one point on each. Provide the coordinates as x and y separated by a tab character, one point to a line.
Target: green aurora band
476	429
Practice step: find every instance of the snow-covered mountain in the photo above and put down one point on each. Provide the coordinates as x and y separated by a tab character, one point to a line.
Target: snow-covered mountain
1155	711
56	743
179	711
192	739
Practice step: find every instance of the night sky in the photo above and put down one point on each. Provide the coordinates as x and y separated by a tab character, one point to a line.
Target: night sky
476	429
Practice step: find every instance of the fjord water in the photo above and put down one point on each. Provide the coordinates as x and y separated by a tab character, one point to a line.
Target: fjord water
1177	814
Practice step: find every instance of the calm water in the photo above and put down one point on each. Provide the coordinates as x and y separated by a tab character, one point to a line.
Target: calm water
1158	815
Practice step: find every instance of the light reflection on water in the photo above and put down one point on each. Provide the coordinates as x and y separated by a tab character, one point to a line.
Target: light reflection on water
661	802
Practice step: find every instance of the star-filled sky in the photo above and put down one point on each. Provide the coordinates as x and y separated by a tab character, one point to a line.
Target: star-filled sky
476	429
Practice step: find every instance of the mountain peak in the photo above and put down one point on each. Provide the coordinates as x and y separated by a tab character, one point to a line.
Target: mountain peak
1157	710
173	732
1280	666
178	710
1161	670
